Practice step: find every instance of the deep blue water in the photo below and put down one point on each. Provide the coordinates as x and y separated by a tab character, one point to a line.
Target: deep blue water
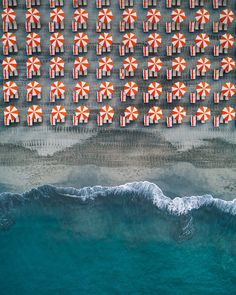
128	240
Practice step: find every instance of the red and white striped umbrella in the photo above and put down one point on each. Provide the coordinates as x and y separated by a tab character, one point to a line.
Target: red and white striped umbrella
58	88
155	89
82	88
130	88
155	113
107	112
131	113
153	16
178	15
202	40
33	64
8	15
202	16
203	113
129	15
32	15
130	64
106	88
155	64
105	16
178	40
129	40
35	112
11	112
226	40
10	88
57	15
179	64
226	16
105	64
8	39
228	114
57	64
33	88
9	64
154	40
227	64
33	40
178	113
81	39
81	64
105	40
228	89
203	89
58	112
81	15
178	89
203	64
82	113
56	40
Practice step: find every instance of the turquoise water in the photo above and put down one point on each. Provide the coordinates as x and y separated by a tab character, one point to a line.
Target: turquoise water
59	241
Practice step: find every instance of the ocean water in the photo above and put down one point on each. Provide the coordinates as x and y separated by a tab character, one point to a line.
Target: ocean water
129	239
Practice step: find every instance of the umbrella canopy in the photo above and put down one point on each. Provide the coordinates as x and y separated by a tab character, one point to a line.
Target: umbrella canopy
227	64
33	40
178	89
33	88
155	89
105	16
9	64
226	16
178	15
179	64
226	40
8	39
154	40
107	112
203	89
11	112
228	114
203	64
105	64
58	88
56	40
178	40
228	89
105	40
10	88
8	15
178	113
81	64
130	88
202	16
57	64
202	40
155	113
33	64
129	40
106	88
58	112
82	113
32	15
82	88
81	39
131	113
81	15
203	113
130	64
35	112
57	15
154	64
153	16
129	15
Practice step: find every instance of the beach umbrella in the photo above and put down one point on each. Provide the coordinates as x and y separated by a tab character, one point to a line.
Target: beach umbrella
81	64
10	88
202	16
33	88
129	40
105	40
226	40
82	113
226	16
81	39
56	40
107	112
106	88
81	15
154	40
130	64
58	88
155	89
131	113
8	39
227	64
178	15
11	112
33	40
228	114
203	113
129	15
58	113
178	89
9	64
130	88
57	15
8	15
178	113
82	88
203	64
202	40
32	15
203	89
179	64
33	64
178	40
153	16
228	89
155	113
105	64
105	16
57	64
154	64
34	112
